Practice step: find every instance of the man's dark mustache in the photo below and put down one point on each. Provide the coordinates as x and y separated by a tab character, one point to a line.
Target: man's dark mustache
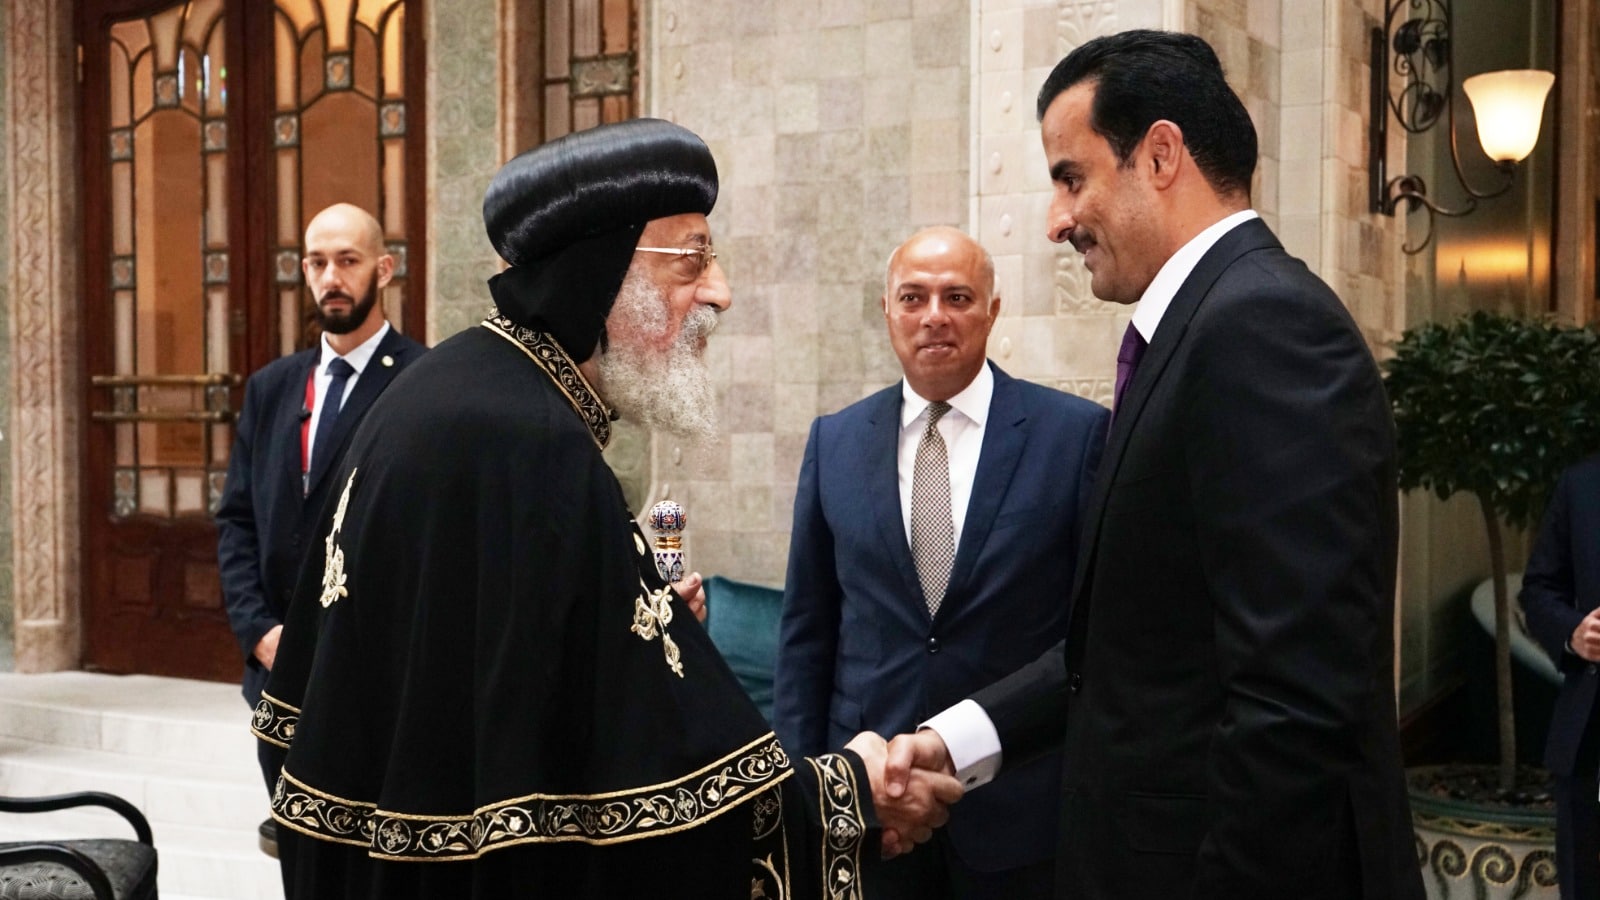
336	295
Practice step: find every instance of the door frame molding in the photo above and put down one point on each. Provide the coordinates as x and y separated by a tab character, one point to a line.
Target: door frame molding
46	436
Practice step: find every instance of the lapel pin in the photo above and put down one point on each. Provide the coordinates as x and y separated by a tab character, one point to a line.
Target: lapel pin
387	361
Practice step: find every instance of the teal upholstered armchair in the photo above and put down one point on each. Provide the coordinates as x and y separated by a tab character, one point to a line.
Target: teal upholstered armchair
743	623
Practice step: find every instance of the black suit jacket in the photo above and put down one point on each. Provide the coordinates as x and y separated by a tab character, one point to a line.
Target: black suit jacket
1559	588
859	651
1226	688
264	523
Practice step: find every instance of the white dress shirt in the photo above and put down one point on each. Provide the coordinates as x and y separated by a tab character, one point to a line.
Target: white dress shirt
358	359
962	431
966	729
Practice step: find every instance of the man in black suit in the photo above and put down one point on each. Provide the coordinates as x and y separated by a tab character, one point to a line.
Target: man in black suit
879	628
1561	597
1225	692
289	435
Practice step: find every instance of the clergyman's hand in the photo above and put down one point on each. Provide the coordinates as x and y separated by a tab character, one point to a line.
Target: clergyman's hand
692	590
922	804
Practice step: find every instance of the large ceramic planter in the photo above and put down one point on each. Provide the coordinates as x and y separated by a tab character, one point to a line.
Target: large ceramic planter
1479	849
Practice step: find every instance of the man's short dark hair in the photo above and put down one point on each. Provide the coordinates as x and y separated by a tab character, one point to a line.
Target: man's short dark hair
1144	76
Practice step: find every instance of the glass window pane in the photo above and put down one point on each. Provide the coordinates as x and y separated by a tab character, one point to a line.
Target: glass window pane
336	16
340	126
164	28
617	36
289	224
288	320
217	329
394	187
202	16
311	75
394	54
217	200
168	216
190	492
121	99
216	73
585	28
364	53
557	38
286	56
153	492
557	111
132	35
122	318
144	87
585	113
302	13
122	208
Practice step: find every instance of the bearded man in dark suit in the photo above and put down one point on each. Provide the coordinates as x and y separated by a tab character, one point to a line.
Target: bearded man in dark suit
1225	694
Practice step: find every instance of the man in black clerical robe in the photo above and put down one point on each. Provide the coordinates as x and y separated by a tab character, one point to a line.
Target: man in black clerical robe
485	689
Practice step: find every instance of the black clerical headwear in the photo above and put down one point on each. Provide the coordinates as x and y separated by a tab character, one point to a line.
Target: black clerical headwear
567	216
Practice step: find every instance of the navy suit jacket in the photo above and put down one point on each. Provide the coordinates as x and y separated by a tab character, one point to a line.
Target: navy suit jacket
1560	587
1226	689
265	524
858	649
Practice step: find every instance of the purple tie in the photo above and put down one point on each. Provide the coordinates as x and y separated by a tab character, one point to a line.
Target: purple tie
1128	356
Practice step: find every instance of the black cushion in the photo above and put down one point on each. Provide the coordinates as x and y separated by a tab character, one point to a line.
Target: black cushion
129	865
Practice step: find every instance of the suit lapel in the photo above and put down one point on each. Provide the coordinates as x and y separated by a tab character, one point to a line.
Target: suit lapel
881	454
374	378
1003	439
1249	236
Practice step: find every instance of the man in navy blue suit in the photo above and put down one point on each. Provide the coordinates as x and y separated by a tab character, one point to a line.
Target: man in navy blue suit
291	433
1561	597
929	558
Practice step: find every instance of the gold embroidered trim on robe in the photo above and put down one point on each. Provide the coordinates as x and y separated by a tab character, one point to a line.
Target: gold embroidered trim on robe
598	819
555	362
274	721
844	827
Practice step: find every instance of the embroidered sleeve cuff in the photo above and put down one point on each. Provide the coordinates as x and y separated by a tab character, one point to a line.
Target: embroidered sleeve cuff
973	743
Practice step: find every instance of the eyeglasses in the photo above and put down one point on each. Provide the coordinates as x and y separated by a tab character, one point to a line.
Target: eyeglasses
702	255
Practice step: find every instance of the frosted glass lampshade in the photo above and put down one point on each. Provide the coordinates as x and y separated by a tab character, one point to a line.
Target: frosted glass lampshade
1509	106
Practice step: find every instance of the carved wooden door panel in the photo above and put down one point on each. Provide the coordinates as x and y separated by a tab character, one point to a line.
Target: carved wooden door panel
212	131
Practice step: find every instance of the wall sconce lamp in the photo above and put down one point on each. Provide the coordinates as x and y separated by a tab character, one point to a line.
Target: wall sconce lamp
1508	105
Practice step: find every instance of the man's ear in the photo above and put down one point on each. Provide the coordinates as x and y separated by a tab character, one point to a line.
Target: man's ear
385	270
1164	145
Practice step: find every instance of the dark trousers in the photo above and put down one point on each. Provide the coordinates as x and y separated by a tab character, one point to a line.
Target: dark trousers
934	871
1578	837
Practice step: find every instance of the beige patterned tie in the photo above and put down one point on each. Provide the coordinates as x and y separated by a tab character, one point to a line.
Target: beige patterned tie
933	532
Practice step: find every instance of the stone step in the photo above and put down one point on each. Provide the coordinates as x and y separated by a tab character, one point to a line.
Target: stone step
179	750
133	715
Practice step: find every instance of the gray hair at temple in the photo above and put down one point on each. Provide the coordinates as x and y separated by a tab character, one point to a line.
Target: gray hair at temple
568	214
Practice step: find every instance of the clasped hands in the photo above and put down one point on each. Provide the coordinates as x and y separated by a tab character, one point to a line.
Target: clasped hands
913	785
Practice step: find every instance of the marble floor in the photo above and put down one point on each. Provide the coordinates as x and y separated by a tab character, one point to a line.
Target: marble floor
179	750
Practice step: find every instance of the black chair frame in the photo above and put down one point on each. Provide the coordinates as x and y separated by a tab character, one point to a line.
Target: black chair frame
78	863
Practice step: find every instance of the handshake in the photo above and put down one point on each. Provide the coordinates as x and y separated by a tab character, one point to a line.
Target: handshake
913	785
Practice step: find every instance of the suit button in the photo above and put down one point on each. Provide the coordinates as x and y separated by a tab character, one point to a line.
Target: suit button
1074	682
933	645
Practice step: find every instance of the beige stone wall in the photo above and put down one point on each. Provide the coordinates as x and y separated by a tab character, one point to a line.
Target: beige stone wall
6	612
463	98
838	129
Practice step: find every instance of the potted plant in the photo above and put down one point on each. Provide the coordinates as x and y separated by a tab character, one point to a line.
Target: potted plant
1494	406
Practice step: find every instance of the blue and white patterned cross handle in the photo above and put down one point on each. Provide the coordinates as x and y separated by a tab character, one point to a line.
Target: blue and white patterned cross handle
667	521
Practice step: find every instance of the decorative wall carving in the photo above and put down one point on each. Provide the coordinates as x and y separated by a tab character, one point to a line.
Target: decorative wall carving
44	432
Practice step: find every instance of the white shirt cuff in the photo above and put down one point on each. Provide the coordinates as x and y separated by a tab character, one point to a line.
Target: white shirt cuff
973	743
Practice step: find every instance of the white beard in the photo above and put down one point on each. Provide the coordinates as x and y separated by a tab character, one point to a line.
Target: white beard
665	389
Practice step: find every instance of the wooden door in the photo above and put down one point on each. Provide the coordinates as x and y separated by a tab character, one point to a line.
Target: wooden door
212	131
